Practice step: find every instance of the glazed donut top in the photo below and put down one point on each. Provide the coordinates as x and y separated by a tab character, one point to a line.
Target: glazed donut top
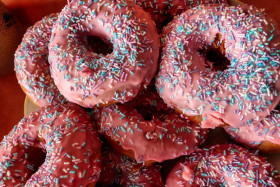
243	93
253	134
90	79
164	135
223	165
32	66
65	132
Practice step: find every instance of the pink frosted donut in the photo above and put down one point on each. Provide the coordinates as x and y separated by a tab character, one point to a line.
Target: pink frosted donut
260	134
118	169
243	91
162	135
90	79
31	63
72	149
223	165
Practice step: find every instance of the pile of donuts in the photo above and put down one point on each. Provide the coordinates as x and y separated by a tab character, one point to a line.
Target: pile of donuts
129	90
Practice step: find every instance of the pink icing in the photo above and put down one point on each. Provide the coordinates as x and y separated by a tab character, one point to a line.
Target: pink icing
90	79
187	173
253	134
65	133
31	63
223	165
243	93
165	136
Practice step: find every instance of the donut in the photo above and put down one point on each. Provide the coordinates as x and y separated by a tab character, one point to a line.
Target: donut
90	79
31	63
120	170
220	64
263	135
64	140
149	134
223	165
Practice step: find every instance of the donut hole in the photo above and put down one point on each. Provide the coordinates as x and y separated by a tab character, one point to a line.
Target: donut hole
149	104
218	60
246	12
108	185
146	114
215	58
99	45
165	22
150	112
36	156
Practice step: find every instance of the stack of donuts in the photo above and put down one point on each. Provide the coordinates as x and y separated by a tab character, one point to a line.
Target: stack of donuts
129	90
